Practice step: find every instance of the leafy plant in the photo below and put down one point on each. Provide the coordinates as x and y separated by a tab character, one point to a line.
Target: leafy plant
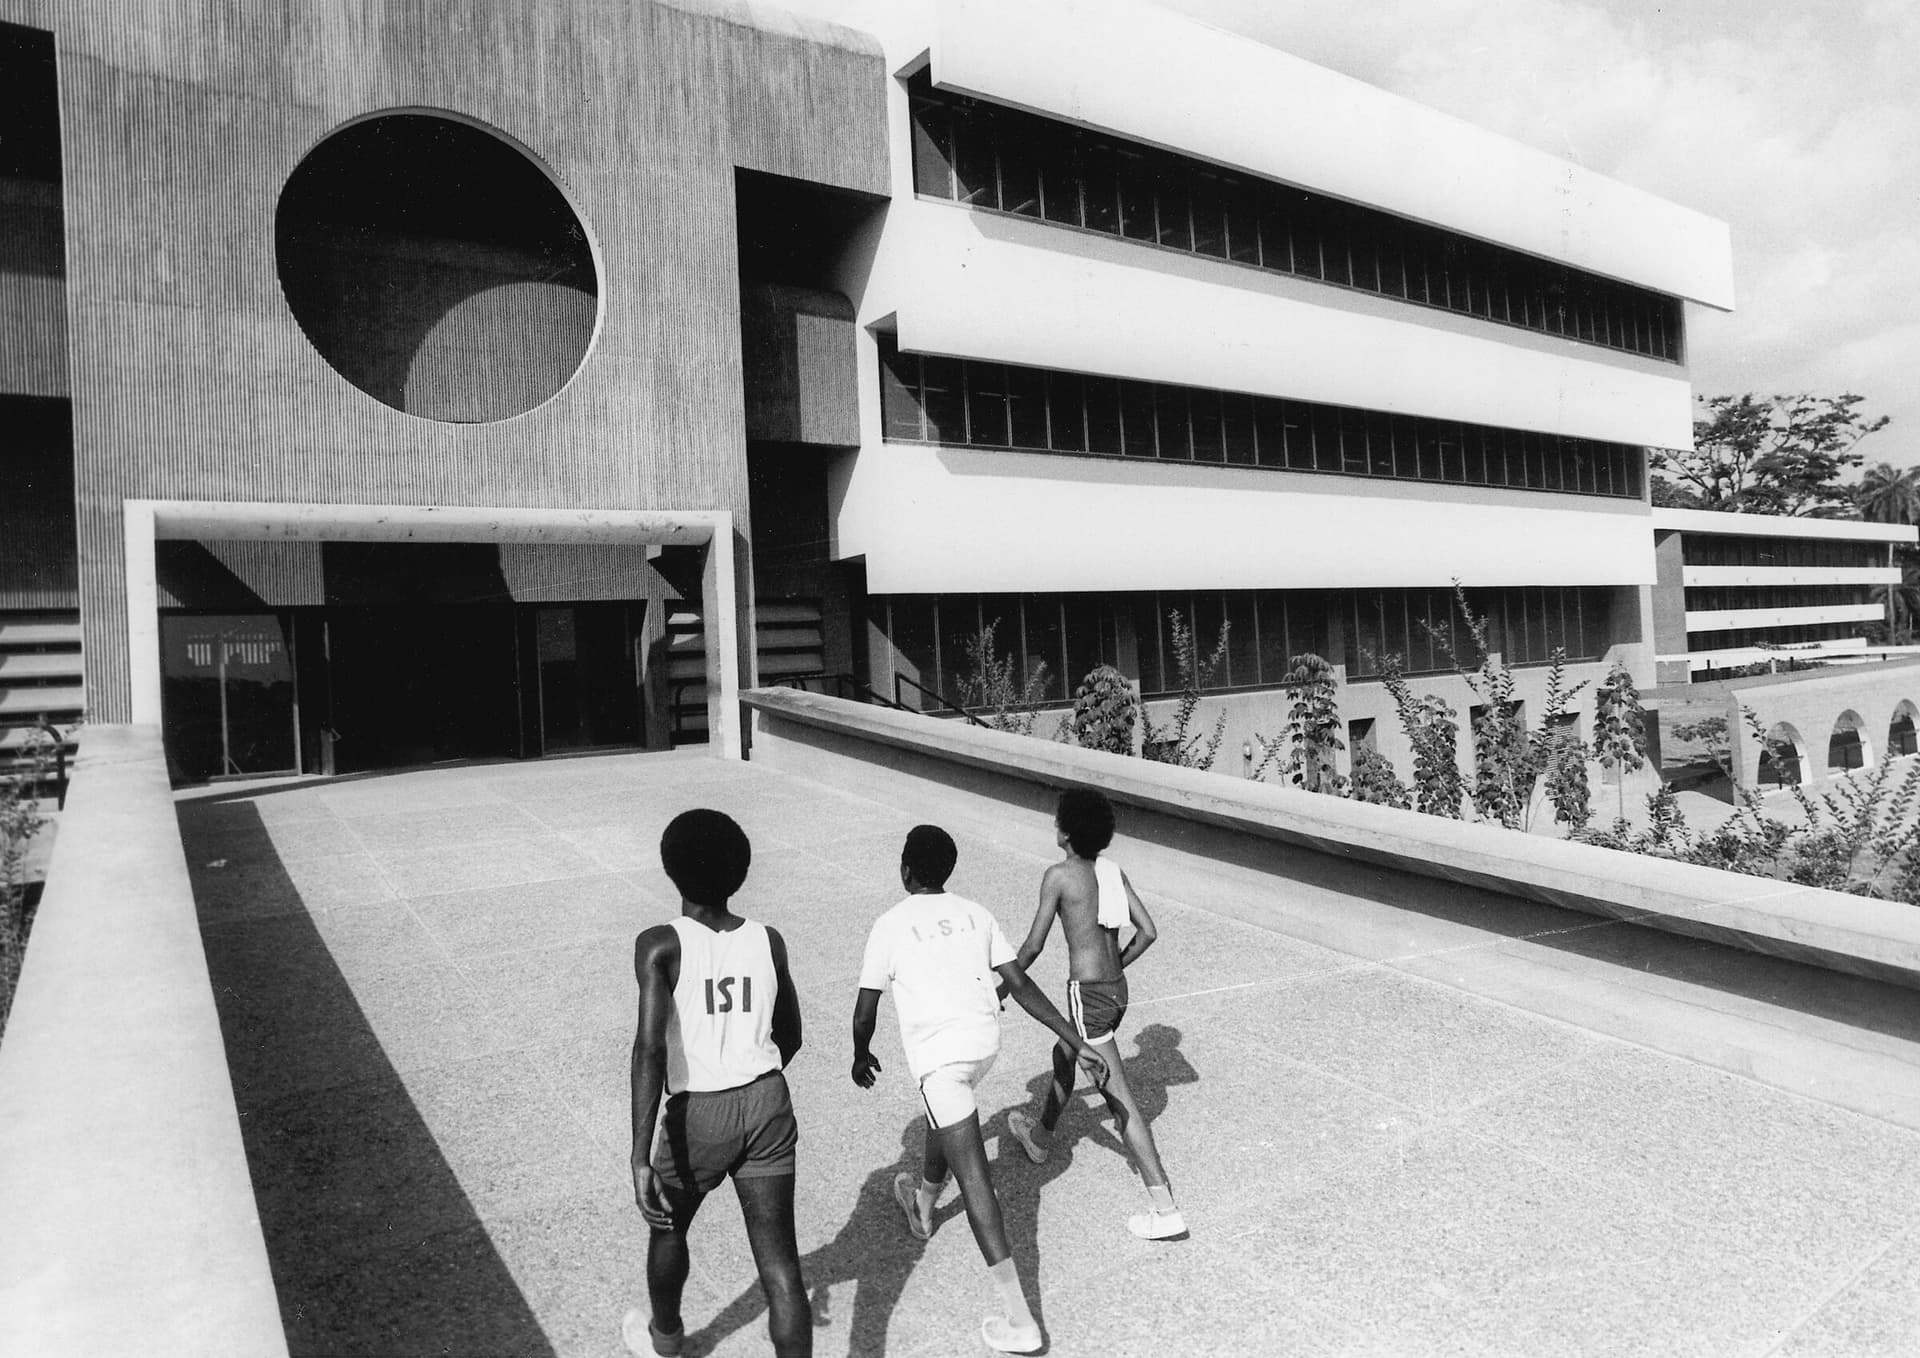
20	821
1106	712
1433	729
992	682
1374	780
1509	761
1178	742
1767	455
1619	728
1305	751
1862	836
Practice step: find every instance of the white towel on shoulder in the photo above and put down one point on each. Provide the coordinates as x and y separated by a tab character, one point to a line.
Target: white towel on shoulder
1113	893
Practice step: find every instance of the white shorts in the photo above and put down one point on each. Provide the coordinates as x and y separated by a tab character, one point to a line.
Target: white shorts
947	1091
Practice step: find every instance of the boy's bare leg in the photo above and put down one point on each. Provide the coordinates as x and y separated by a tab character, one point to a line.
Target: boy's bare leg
1065	1072
767	1204
1132	1127
667	1262
961	1147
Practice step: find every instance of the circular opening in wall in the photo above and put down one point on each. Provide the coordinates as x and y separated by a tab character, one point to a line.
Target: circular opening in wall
436	267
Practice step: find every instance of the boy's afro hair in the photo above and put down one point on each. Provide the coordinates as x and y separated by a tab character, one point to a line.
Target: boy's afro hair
1085	816
706	854
929	855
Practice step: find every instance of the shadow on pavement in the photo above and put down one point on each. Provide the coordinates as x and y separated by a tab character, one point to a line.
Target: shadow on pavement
873	1250
375	1249
1158	1065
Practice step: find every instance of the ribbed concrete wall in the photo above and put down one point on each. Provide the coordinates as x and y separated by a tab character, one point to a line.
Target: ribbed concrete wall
191	378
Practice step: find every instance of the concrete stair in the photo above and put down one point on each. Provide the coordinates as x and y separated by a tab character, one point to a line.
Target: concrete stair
788	640
41	679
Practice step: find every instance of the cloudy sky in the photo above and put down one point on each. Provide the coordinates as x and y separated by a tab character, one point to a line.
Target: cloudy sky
1794	122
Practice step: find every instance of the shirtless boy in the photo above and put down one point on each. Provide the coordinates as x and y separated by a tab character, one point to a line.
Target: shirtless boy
719	1021
941	954
1093	901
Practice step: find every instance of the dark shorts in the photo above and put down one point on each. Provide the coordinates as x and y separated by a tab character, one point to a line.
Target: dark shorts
748	1132
1096	1007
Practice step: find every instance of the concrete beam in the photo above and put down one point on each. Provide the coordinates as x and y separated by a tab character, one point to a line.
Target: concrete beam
1853	934
130	1219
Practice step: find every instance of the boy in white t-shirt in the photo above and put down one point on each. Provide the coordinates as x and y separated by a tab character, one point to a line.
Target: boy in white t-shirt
944	956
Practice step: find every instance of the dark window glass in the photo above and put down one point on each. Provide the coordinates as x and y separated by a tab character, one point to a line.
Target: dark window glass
1208	435
1019	168
1473	442
1101	191
1147	625
1046	644
1297	425
1429	450
1553	453
900	394
1136	196
1326	438
1334	263
1173	228
1362	251
1595	623
1353	443
1243	223
943	393
1206	617
1303	225
932	149
1060	180
1414	243
1379	437
987	404
1170	418
1136	418
1027	407
959	616
1477	265
1276	232
1270	431
1406	448
1103	415
1271	621
910	629
1453	455
1236	420
1307	625
1081	617
1391	256
1067	425
1371	641
1494	278
1209	207
973	162
1243	640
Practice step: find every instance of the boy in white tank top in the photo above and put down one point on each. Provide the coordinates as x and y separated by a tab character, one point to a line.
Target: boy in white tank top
719	1021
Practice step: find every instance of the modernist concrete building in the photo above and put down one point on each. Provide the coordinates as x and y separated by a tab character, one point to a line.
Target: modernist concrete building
1744	589
395	382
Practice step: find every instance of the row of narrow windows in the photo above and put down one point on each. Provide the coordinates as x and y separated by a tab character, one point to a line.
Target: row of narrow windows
1007	161
1704	549
966	402
1715	599
1734	638
1071	633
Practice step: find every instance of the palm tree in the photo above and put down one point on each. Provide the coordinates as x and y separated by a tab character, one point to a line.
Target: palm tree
1889	494
1902	601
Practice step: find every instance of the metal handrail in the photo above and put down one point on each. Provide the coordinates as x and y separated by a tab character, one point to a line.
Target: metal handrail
941	698
843	681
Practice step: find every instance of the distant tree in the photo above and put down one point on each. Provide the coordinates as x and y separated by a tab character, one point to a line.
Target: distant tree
1768	455
1889	494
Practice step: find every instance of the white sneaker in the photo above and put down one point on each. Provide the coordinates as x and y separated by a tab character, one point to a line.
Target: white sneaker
1021	1127
906	1192
1154	1225
1004	1336
638	1334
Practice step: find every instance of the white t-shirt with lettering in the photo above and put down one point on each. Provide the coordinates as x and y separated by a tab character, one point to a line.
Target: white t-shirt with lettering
938	953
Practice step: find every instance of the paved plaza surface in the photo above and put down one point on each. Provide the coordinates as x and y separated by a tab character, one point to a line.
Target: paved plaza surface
425	984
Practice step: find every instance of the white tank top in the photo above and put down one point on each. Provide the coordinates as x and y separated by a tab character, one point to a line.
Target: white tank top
720	1032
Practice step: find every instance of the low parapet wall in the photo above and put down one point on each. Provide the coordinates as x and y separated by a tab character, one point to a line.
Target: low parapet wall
813	735
127	1218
